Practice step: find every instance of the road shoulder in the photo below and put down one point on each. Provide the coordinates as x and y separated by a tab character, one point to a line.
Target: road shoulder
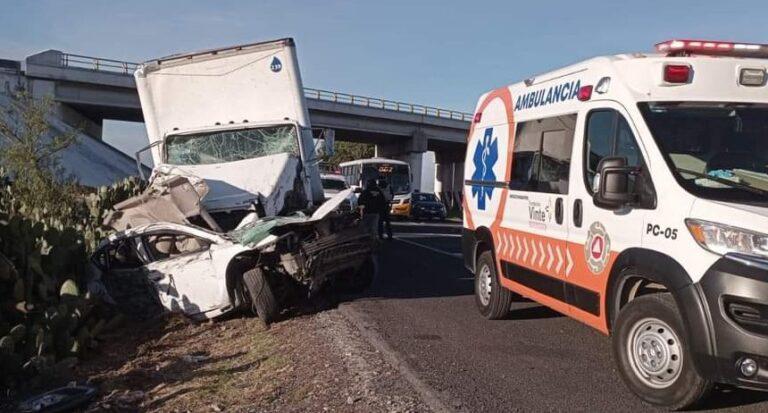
318	362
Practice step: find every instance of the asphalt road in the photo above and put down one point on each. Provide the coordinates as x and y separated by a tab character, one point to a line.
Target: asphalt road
422	306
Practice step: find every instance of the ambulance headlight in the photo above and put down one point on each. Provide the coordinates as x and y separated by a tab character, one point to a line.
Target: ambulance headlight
722	239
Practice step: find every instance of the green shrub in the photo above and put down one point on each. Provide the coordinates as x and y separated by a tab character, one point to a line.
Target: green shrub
46	316
49	225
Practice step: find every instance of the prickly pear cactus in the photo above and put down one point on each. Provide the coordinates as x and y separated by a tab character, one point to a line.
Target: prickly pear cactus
47	318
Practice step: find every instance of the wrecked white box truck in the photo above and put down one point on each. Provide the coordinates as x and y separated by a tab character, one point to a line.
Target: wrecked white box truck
228	220
237	118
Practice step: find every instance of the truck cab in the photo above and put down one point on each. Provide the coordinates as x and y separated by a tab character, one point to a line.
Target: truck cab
630	192
237	118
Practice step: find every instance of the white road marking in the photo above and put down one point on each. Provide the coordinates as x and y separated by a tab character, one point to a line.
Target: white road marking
427	224
426	235
450	254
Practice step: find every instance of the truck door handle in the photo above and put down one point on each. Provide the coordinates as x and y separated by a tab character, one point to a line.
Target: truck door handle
578	214
559	211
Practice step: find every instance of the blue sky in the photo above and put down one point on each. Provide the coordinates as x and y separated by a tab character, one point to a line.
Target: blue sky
437	53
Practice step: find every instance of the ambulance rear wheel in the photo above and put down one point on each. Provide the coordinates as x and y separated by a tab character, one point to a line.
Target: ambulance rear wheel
653	357
491	298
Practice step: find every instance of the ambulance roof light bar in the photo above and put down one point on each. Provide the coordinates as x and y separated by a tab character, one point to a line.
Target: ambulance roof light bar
713	48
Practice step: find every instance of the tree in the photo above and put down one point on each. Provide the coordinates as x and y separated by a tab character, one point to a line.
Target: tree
350	151
31	152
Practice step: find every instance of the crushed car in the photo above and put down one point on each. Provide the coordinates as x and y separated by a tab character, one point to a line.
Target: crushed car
170	255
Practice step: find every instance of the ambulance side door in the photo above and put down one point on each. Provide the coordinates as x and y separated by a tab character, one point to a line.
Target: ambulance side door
596	235
534	231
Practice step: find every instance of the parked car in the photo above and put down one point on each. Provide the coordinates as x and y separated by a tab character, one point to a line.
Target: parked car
401	207
427	206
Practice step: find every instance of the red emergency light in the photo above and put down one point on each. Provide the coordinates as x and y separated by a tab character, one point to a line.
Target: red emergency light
677	73
585	93
714	48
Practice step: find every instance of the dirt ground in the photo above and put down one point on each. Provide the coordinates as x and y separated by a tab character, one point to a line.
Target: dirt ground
309	363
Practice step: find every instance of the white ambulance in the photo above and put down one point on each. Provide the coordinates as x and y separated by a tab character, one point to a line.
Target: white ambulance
630	192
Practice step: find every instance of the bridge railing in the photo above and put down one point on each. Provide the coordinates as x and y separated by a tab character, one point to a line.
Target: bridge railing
98	64
338	97
127	68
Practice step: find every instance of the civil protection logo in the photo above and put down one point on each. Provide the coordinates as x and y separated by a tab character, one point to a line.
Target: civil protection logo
597	248
485	157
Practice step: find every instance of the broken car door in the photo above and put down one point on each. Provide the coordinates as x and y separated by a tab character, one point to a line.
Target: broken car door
181	268
124	279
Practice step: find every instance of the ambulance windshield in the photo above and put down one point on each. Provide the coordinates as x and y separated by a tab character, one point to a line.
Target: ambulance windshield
716	150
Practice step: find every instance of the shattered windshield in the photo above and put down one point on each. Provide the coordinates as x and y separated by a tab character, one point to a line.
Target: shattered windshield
716	150
231	145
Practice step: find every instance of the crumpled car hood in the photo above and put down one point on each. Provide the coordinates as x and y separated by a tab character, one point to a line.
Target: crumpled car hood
172	196
253	233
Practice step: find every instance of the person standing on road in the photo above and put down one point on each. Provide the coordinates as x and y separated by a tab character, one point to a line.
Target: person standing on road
389	195
372	203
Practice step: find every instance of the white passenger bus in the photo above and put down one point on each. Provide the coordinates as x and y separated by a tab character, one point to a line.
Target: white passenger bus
396	173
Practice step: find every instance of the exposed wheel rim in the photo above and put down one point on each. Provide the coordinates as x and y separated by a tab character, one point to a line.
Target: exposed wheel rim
655	353
484	285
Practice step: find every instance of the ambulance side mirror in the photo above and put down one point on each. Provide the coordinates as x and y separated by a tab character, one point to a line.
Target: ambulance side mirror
612	183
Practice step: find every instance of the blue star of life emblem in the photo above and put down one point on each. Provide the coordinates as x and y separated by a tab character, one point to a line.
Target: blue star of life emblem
485	157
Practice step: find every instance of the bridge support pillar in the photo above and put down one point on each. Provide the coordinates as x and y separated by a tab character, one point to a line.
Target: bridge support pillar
449	178
40	89
412	151
75	119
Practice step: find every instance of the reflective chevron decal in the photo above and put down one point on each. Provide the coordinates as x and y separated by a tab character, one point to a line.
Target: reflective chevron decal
546	255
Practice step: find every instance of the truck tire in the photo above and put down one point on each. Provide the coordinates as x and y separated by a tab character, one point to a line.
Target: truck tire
261	294
653	357
491	298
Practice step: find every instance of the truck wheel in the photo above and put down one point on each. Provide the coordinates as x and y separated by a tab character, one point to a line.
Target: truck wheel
261	294
653	357
491	298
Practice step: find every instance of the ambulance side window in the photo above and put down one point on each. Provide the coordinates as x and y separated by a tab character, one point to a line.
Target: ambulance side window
599	142
525	157
556	149
608	134
542	155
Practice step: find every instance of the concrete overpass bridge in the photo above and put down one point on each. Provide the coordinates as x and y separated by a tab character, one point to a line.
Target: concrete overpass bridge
89	90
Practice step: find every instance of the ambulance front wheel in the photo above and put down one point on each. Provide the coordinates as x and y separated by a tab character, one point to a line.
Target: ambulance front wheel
491	298
653	358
